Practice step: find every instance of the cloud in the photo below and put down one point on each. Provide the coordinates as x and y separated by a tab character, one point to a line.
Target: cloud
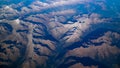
41	4
64	12
38	6
67	2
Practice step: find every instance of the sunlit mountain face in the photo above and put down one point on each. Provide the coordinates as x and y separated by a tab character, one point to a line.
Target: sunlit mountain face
59	33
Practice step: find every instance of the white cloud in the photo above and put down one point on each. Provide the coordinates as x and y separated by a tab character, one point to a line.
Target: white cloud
37	5
67	2
64	12
41	4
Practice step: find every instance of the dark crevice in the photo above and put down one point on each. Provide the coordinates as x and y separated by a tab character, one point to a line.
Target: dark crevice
42	44
86	61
